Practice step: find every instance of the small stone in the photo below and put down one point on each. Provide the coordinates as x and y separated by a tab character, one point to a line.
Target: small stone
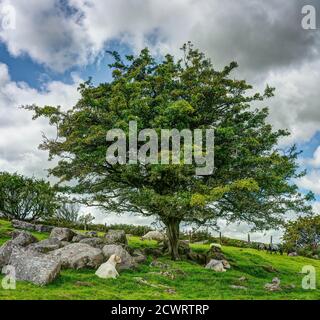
170	291
243	278
274	285
238	287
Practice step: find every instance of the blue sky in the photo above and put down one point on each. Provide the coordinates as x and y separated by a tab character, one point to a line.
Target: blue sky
56	44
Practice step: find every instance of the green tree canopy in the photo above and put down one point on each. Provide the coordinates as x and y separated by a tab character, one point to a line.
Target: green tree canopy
26	198
252	178
302	233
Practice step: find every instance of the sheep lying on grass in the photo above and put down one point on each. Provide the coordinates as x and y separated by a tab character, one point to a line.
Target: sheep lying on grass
108	269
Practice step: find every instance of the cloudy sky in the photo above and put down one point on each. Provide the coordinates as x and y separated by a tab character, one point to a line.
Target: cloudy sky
49	46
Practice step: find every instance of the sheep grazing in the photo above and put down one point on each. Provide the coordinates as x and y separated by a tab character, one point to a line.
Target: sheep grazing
154	235
108	269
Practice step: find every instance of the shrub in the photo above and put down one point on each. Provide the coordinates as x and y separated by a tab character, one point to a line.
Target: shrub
303	235
26	198
67	212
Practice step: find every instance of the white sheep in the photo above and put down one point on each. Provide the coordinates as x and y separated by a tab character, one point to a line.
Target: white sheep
108	269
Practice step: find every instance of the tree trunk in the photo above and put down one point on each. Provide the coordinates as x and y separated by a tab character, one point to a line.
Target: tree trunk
172	229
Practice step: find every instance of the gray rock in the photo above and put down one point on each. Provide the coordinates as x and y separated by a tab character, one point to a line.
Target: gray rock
155	252
43	228
216	265
238	287
62	234
138	256
78	255
64	243
78	237
127	261
23	225
116	237
154	235
46	245
5	252
23	238
94	242
36	268
292	254
30	226
226	264
274	285
197	257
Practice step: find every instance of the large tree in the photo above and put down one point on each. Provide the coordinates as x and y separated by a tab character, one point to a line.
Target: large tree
252	178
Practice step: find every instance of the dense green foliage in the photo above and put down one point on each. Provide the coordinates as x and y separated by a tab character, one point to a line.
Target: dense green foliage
252	178
303	235
26	198
194	282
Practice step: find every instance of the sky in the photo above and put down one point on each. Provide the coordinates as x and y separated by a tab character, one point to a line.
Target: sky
50	46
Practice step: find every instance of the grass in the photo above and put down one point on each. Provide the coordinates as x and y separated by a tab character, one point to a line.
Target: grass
192	281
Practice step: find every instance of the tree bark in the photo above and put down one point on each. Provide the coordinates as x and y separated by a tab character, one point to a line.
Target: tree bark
172	229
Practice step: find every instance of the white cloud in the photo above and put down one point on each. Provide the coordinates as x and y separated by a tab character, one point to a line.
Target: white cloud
296	105
311	181
61	34
315	160
19	135
270	45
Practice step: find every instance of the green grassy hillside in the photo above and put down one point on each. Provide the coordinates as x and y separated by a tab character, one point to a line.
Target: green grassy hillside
191	281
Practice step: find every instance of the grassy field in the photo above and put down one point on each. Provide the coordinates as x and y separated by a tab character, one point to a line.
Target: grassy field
192	281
